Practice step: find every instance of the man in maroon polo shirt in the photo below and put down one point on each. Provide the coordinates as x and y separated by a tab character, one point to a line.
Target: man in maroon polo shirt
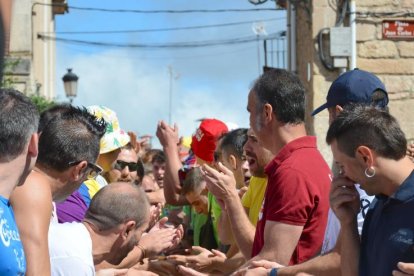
294	212
295	209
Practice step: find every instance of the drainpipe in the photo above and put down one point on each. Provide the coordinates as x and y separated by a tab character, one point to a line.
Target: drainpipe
352	21
291	37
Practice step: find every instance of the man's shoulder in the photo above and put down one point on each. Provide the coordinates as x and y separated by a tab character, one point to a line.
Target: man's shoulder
306	163
34	188
34	194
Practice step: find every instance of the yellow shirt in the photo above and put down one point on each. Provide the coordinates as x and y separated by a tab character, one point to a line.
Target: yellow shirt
94	185
253	198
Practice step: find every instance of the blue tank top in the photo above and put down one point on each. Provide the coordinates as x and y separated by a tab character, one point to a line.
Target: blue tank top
13	261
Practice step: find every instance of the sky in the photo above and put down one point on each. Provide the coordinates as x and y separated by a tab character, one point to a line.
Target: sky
207	82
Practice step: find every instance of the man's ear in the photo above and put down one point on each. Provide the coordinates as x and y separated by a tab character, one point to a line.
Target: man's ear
33	148
338	109
267	112
365	155
233	162
78	170
204	191
128	227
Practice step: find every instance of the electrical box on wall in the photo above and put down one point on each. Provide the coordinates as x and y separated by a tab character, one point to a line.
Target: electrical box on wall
340	41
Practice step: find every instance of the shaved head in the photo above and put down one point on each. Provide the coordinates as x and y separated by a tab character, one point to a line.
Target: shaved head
118	203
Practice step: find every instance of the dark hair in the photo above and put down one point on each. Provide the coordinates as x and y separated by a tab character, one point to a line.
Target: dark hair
192	181
73	136
47	115
377	99
232	142
159	157
19	119
369	126
149	155
284	92
118	203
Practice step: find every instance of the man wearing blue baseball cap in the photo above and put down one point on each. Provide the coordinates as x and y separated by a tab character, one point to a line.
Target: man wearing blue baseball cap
356	86
353	87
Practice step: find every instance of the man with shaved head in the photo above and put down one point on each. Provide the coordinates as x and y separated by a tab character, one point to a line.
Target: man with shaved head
113	225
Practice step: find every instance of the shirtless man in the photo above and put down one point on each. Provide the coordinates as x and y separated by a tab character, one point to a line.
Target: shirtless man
68	149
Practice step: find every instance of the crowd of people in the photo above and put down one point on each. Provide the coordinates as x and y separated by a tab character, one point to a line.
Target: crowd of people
81	196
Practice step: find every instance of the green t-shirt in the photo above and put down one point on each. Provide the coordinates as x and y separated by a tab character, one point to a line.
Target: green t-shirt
215	213
198	220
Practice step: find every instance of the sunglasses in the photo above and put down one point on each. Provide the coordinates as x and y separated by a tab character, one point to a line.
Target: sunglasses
120	165
93	170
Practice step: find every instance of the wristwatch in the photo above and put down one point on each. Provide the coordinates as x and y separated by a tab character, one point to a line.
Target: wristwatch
273	272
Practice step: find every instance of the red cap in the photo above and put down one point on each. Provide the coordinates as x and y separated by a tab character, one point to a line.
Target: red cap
204	141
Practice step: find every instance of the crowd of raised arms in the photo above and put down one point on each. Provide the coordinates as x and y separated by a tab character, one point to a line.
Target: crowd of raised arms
81	196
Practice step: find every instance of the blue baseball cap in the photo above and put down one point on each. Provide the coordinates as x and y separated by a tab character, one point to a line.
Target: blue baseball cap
355	86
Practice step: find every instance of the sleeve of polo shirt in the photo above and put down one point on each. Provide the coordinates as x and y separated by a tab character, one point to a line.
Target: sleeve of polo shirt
291	199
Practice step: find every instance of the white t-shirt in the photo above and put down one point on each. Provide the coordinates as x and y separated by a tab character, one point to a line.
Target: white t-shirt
54	218
333	226
70	249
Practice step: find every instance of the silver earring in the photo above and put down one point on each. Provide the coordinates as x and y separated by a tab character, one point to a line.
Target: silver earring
369	175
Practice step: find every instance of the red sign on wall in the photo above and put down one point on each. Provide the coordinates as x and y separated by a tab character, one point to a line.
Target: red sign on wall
398	29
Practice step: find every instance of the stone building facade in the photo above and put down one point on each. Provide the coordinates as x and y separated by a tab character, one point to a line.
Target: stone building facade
30	64
391	60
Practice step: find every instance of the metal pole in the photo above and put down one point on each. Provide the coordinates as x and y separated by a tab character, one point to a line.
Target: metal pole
291	37
271	53
258	55
170	70
265	51
352	18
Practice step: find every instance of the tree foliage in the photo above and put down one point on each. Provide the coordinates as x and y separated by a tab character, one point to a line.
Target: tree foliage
41	102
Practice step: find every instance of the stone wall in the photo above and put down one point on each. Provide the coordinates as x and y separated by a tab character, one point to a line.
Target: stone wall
391	60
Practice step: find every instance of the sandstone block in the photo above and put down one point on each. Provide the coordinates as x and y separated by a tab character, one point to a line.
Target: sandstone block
398	84
378	49
398	96
407	3
322	17
406	48
321	3
375	3
321	122
366	32
320	89
387	66
402	110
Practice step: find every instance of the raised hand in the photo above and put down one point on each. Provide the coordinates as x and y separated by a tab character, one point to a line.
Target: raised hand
166	134
344	199
221	182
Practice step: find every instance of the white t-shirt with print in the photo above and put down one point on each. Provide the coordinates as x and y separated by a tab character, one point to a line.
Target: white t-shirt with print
333	226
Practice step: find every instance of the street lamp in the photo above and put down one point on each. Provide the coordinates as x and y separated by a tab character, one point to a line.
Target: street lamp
70	81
